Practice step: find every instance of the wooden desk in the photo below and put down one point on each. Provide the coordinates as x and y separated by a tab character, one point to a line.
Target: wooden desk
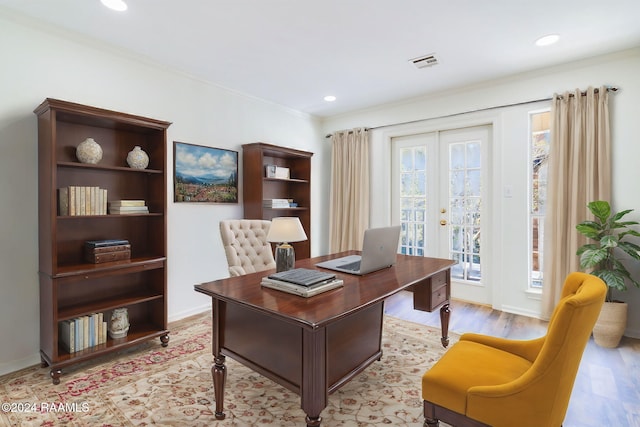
312	346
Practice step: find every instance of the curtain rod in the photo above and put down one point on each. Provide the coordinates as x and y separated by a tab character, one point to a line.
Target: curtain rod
533	101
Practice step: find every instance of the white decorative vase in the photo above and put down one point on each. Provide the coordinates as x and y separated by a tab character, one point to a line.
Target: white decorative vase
137	158
89	151
611	324
119	325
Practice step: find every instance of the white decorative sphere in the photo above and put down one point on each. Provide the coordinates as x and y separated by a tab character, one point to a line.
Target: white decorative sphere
89	151
137	158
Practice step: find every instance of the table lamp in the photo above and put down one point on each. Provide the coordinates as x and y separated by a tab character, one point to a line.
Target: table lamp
285	230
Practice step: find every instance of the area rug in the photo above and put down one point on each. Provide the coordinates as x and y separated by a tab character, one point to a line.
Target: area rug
172	386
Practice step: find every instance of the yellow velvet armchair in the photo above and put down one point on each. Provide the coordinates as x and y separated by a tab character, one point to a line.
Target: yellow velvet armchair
490	381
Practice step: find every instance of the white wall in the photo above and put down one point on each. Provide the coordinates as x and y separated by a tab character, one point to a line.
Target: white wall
508	270
38	63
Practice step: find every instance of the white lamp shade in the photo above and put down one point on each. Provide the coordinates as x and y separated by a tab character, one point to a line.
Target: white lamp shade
286	229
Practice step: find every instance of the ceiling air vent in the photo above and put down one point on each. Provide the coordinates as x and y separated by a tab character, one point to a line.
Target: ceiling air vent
424	61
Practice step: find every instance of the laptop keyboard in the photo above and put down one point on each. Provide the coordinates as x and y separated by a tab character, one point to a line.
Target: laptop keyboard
352	266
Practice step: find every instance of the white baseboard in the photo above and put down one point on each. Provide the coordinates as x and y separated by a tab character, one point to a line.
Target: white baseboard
16	365
520	311
629	332
632	333
190	312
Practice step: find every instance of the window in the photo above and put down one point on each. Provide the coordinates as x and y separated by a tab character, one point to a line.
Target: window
539	138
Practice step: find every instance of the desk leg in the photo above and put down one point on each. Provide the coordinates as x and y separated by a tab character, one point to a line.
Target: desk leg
219	373
313	421
314	388
445	314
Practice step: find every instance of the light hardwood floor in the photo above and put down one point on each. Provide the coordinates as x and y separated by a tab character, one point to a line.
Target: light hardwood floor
607	389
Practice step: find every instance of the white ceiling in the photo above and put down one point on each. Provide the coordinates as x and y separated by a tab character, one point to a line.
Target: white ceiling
294	52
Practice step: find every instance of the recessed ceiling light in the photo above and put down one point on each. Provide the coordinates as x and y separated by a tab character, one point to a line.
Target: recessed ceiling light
330	98
118	5
547	40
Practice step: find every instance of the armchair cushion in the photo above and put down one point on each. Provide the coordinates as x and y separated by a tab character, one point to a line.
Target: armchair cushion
471	364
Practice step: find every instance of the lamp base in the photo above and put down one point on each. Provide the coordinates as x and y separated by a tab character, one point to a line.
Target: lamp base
285	257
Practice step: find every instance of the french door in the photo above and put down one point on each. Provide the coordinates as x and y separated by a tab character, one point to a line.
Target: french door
439	199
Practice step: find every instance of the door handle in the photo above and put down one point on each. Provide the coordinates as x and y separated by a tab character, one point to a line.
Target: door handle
443	222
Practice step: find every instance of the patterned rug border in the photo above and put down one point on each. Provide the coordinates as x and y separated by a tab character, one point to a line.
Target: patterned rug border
148	384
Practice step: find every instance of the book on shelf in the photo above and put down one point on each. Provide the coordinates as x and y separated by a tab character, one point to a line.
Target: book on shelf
63	201
67	334
124	210
99	251
82	332
276	203
126	202
76	200
105	243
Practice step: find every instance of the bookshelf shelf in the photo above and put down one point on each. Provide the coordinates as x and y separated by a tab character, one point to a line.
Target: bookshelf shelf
291	180
137	334
109	216
65	313
118	169
71	288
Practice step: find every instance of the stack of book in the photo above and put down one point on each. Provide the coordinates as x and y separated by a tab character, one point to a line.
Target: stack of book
124	207
302	281
77	200
82	332
99	251
276	203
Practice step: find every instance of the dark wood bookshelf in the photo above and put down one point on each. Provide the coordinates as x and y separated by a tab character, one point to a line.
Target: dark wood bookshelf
69	286
257	187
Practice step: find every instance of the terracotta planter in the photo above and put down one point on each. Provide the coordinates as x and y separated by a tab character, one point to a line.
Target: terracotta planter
611	324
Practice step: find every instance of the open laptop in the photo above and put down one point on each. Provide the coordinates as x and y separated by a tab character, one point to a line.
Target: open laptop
379	249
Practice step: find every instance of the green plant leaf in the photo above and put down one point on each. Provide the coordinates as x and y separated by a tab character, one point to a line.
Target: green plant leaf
624	224
631	249
609	241
583	248
602	257
613	278
589	229
600	209
628	233
620	214
592	257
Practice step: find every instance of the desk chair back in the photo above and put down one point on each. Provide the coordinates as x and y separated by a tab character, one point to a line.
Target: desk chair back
245	245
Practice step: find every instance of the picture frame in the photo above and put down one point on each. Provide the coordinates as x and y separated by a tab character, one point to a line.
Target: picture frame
203	174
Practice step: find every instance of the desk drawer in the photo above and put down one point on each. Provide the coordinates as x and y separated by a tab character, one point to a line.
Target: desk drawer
439	295
432	292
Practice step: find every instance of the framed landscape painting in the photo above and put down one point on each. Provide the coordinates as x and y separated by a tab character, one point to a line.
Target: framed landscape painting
204	174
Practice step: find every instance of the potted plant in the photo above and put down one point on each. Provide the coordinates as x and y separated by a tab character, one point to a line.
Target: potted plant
602	258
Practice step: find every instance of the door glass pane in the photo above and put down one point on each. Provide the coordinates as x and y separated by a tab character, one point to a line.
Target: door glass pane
465	187
413	200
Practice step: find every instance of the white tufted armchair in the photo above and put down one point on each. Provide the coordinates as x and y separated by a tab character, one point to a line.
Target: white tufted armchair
245	245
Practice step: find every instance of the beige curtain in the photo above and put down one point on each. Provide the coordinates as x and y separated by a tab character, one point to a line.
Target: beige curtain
579	172
349	210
